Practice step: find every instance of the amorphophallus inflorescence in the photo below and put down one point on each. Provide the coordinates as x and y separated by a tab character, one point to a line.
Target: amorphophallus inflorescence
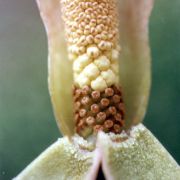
99	81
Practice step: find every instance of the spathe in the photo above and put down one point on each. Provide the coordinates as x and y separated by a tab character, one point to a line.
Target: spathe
141	156
136	154
135	67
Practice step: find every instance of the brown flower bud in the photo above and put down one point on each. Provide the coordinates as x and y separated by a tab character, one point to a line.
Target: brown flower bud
112	110
116	98
104	102
98	128
118	117
95	108
77	93
109	92
107	113
90	121
85	100
117	90
82	112
121	108
86	90
117	128
108	124
95	95
101	116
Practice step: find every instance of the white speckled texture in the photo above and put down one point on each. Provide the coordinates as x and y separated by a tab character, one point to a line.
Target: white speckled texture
140	157
62	160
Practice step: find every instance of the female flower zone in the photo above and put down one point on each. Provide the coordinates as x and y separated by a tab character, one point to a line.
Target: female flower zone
99	81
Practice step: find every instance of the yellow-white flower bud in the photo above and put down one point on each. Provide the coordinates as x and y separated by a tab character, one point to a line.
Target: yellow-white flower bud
109	77
102	63
91	71
99	84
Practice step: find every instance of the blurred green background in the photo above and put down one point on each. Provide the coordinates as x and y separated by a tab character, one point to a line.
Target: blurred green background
27	124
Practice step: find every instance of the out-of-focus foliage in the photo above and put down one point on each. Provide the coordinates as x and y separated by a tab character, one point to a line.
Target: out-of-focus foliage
27	124
164	108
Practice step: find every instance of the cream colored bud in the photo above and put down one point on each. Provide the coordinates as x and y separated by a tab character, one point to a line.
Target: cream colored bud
84	60
109	77
105	45
99	84
91	71
77	66
102	63
93	51
82	80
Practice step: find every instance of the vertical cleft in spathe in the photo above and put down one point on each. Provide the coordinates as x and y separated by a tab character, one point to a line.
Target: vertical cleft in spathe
92	39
